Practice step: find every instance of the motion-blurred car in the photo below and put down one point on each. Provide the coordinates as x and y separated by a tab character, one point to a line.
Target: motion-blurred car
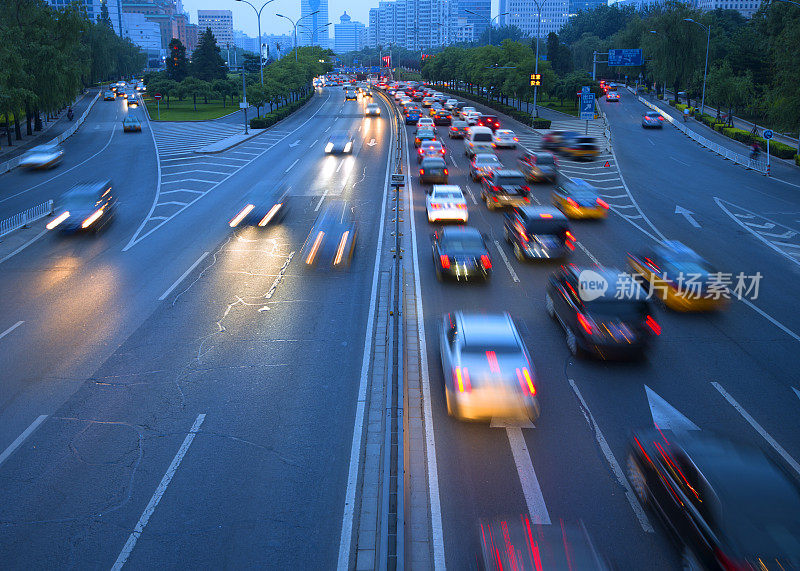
132	102
433	170
581	148
42	157
450	104
109	95
680	277
502	188
490	121
412	116
425	122
466	109
652	120
424	134
460	252
430	149
478	140
372	109
578	199
332	239
539	167
554	140
340	142
728	504
487	369
435	108
538	232
446	202
427	101
612	96
472	117
505	138
85	207
131	124
597	320
458	129
350	94
261	209
442	117
482	165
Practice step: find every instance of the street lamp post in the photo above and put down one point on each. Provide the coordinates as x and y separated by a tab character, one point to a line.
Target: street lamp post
490	20
258	17
536	70
705	73
295	23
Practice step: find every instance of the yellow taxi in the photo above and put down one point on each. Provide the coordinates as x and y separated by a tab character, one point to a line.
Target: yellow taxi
578	199
680	278
580	147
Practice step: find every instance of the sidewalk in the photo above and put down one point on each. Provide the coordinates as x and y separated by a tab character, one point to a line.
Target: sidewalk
49	130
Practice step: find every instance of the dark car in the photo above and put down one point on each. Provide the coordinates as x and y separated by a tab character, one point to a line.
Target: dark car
332	239
652	120
131	124
442	117
504	187
458	129
728	504
490	121
459	252
539	167
603	312
424	134
109	95
430	149
538	232
340	142
85	207
482	165
261	209
433	170
554	140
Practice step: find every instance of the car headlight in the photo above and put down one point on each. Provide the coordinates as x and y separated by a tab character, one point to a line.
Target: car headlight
348	146
328	147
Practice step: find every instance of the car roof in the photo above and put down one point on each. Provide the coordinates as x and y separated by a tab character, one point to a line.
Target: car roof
456	231
89	190
507	172
487	329
534	211
434	161
504	132
480	157
446	188
617	280
579	185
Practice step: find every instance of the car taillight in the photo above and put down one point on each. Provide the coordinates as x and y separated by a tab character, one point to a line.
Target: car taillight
571	202
461	205
585	322
527	199
442	150
421	171
445	171
486	262
526	382
462	380
445	261
603	203
435	205
516	139
653	325
660	118
526	188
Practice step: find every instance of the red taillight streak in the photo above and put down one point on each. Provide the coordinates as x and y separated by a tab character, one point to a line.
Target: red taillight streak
603	203
566	546
571	202
421	171
587	326
445	261
486	262
669	460
491	357
435	205
445	171
653	324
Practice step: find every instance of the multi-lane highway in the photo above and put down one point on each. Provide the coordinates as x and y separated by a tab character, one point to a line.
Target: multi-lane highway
178	393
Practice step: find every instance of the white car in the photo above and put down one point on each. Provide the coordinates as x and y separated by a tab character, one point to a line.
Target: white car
372	109
505	138
465	110
42	157
446	202
425	122
612	96
450	104
472	117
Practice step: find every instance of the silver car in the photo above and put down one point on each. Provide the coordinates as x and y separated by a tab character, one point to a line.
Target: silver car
487	370
652	120
42	157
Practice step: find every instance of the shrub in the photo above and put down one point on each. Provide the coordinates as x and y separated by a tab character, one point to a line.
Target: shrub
281	113
671	102
797	160
541	123
781	150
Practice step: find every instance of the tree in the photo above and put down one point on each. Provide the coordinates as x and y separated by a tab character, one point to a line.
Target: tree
257	97
250	62
207	63
499	35
104	18
222	88
728	90
195	87
177	64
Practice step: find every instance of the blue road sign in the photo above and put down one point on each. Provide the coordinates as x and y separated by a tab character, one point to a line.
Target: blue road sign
768	134
625	57
587	106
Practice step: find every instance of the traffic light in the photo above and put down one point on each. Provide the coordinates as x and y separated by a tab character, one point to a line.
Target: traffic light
536	79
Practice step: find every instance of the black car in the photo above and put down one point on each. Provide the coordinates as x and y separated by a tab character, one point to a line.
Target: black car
458	129
459	252
729	505
86	207
442	117
332	238
538	232
652	120
539	167
433	170
490	121
602	314
339	143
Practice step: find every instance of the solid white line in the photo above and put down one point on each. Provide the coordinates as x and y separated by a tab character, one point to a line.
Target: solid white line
314	143
340	165
758	428
25	245
21	438
346	537
157	495
291	166
10	329
183	277
321	198
771	319
612	462
527	477
507	263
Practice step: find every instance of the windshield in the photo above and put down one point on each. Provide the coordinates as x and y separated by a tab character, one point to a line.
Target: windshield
463	243
487	160
515	180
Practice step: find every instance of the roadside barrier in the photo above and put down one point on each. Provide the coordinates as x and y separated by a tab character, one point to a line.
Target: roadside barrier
24	218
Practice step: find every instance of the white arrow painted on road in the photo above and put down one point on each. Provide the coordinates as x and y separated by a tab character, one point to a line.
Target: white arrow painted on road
666	416
297	142
372	143
688	215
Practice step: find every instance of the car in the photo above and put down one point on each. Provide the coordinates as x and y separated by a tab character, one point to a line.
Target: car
478	140
504	187
42	157
372	109
612	96
487	368
427	134
578	199
430	149
433	109
652	120
132	102
538	232
539	167
602	313
412	116
680	278
505	138
483	164
131	124
442	117
339	142
458	129
460	253
427	101
109	95
350	94
260	209
450	104
465	110
582	147
554	140
446	202
729	505
490	121
425	122
366	92
471	117
331	241
141	86
433	170
86	207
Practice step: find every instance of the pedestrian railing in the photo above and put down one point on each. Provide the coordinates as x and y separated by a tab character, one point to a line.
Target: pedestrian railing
26	217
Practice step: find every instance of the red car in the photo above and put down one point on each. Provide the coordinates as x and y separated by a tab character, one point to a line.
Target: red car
490	121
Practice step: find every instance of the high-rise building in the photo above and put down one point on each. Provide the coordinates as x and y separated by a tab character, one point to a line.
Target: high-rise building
745	8
245	42
347	35
313	19
191	38
220	22
413	24
483	9
525	16
143	33
464	32
93	8
576	6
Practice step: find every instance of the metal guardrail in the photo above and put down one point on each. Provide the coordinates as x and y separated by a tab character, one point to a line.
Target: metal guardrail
24	218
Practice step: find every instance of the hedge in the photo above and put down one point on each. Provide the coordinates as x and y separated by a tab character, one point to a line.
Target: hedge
521	116
797	160
270	119
776	148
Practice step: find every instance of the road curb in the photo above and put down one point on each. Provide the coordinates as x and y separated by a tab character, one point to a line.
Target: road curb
228	143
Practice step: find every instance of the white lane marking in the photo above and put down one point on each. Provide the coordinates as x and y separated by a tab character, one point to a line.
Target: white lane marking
10	329
297	142
21	438
157	495
679	161
796	392
183	277
346	537
506	262
430	440
321	198
588	253
527	477
453	159
340	165
25	245
758	428
612	462
665	415
472	196
688	214
291	166
314	143
328	129
769	318
193	171
651	141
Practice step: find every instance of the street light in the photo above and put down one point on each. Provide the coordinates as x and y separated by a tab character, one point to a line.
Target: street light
295	27
705	73
536	71
490	20
258	17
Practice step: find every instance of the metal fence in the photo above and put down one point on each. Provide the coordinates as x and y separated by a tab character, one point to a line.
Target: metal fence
24	218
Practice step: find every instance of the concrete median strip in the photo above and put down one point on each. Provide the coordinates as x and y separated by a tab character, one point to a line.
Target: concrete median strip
229	142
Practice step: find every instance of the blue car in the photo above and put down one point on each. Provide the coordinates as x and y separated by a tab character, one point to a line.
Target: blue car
412	117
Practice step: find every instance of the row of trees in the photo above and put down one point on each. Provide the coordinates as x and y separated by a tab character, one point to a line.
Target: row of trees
49	55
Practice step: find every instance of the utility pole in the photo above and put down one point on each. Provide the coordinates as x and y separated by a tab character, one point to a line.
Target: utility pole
244	101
